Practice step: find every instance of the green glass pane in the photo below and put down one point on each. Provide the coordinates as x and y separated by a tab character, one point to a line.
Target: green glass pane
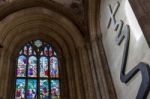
32	89
44	89
38	43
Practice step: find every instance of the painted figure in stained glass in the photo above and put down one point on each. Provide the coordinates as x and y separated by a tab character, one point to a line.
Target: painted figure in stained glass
32	69
42	79
32	88
43	67
55	89
44	90
53	67
20	89
21	70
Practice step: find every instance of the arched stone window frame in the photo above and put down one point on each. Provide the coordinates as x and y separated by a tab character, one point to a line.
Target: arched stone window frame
38	52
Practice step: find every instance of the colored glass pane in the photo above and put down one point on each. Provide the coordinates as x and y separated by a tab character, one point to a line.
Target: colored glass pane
34	53
46	51
50	51
20	89
21	68
38	43
32	67
55	53
54	67
20	52
44	90
40	62
43	67
32	89
30	50
41	53
25	50
55	89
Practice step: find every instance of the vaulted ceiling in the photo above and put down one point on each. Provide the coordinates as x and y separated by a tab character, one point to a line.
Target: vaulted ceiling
80	12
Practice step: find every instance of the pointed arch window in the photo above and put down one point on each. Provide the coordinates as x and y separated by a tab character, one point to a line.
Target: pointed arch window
37	72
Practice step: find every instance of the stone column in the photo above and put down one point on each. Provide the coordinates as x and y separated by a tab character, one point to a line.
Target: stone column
102	72
88	80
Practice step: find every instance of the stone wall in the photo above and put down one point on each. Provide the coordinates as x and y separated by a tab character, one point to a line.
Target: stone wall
138	46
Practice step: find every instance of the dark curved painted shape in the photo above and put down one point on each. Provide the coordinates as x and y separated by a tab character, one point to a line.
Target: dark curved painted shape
144	68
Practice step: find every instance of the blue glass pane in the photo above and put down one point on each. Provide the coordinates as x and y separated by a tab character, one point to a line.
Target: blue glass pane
32	68
55	89
20	89
54	71
43	67
21	68
32	89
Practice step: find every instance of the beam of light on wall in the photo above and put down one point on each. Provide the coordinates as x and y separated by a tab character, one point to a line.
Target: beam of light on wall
132	21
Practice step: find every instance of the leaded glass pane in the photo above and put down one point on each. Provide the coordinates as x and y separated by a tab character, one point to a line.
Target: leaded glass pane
55	89
41	53
37	72
21	68
32	67
44	90
25	50
20	52
54	67
50	51
46	51
30	50
20	89
32	89
55	53
38	43
43	67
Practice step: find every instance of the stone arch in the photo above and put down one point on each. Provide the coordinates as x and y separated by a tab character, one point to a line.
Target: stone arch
26	24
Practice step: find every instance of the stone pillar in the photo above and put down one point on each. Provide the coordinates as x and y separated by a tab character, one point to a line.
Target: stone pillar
102	72
88	82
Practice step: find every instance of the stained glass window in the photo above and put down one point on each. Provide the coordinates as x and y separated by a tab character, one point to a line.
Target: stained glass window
37	72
